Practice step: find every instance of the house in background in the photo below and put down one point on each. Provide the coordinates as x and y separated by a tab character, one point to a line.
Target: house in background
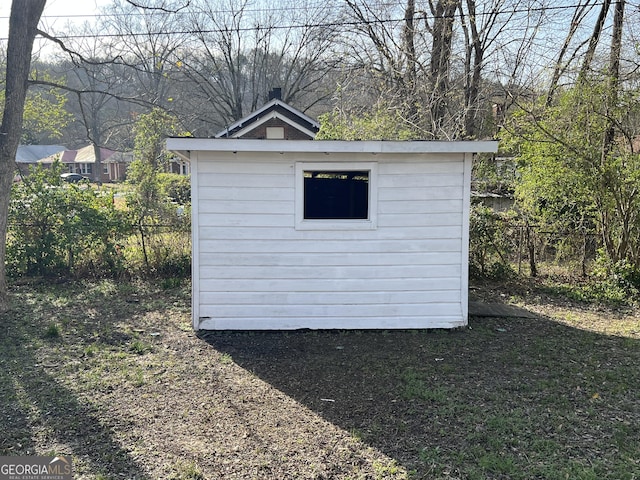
276	120
83	161
114	166
179	166
29	155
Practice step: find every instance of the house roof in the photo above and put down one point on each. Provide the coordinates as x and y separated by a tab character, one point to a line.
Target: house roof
87	155
275	108
33	153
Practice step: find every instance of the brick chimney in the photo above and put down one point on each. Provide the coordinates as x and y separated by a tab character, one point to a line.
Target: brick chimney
275	93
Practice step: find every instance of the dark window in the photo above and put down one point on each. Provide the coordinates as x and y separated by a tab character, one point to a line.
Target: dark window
336	195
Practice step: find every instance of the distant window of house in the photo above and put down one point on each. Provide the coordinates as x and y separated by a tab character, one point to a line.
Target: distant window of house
275	133
84	168
105	168
336	196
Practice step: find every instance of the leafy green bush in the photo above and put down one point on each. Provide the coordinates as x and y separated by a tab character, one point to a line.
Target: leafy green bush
59	228
489	248
620	277
176	187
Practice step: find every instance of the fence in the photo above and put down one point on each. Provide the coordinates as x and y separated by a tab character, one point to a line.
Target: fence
501	244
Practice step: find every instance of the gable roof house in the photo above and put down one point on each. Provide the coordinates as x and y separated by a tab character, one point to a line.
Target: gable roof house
114	164
275	120
30	155
292	234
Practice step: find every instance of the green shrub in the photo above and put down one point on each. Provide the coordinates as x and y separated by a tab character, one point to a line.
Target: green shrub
489	247
176	187
615	280
58	228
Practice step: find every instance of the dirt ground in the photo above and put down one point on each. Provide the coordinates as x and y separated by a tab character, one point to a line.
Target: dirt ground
112	374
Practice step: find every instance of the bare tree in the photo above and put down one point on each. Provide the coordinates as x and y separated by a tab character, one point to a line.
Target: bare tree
613	77
23	23
443	12
582	9
387	44
145	39
485	25
239	54
595	38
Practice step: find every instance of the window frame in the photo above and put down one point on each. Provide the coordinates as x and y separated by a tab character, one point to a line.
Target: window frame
370	223
275	133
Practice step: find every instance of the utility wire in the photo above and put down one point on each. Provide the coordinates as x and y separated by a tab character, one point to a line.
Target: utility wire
333	24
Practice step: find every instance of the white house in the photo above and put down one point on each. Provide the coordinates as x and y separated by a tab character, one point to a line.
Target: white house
329	234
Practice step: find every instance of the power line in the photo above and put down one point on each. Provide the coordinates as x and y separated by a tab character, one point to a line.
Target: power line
333	24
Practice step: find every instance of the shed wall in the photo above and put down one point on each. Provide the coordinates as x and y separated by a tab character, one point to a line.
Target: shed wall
254	270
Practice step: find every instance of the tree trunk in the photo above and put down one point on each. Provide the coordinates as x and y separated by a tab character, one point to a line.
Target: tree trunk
473	73
409	50
531	247
97	174
23	23
560	66
440	61
614	78
593	41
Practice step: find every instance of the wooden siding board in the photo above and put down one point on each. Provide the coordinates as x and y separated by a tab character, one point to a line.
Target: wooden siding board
337	273
246	180
320	246
328	285
442	165
433	220
417	194
222	220
434	181
422	207
239	193
386	323
330	310
395	237
242	207
233	166
269	259
340	298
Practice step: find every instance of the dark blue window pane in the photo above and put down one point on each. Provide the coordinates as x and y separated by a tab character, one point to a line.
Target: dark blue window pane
340	195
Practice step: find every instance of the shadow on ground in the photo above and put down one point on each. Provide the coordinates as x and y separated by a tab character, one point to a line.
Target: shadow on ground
42	410
451	402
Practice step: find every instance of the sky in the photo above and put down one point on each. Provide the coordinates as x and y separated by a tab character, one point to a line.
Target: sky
56	13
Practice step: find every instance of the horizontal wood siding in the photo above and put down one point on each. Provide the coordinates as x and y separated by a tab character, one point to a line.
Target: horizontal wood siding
256	271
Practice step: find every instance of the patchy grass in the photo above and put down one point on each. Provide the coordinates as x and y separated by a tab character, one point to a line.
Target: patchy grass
109	373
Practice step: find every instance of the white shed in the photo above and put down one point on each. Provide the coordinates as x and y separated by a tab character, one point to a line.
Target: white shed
329	234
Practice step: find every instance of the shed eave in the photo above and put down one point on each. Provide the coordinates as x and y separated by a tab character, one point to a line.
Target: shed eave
181	144
183	154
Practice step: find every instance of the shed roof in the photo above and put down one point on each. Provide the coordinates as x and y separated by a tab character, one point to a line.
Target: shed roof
184	145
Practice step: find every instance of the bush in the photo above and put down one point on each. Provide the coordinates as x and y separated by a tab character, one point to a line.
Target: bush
58	228
621	276
489	246
176	187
